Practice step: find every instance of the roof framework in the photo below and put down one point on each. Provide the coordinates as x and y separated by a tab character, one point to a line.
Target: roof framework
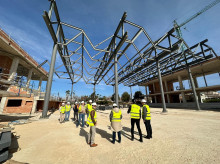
136	58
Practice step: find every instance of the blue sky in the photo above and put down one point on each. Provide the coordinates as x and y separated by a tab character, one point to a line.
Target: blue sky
22	20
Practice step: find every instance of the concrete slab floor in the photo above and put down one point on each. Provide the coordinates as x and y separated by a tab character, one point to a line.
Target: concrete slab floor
179	136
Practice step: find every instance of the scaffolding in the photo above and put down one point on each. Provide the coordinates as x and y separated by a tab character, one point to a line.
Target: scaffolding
128	56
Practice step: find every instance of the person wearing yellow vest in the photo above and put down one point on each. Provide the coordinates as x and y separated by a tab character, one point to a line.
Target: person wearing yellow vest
62	112
135	114
92	122
67	112
82	113
146	117
88	108
115	119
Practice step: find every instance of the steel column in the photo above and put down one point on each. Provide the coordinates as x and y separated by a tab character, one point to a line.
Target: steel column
193	87
72	92
161	87
116	80
49	82
131	92
94	93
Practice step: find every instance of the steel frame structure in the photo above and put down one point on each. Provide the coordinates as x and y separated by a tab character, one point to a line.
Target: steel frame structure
133	63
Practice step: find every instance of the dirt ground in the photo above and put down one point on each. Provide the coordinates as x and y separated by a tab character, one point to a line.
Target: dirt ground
180	136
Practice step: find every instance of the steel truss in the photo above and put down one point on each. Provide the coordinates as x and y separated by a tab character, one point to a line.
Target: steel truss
134	63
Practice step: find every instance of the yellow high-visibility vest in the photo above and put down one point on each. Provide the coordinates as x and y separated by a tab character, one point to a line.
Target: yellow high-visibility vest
148	116
89	107
135	111
68	107
116	116
89	120
63	109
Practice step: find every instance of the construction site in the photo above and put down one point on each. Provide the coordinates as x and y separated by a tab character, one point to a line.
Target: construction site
180	81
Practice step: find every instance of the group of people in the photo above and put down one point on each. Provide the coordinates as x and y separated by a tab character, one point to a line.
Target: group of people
137	110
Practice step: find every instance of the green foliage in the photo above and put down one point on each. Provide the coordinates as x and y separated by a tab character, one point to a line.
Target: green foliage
138	95
125	97
113	97
211	100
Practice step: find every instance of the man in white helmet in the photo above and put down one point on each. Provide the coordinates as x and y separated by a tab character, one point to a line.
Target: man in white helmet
67	113
92	122
88	108
115	119
82	113
146	117
76	109
62	112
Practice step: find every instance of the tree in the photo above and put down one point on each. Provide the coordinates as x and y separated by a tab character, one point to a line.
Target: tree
67	94
125	97
93	96
138	95
113	97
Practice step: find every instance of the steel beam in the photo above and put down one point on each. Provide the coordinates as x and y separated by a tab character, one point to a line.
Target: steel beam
161	87
49	82
193	87
116	80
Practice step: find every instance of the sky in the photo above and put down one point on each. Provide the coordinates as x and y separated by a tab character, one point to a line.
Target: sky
23	21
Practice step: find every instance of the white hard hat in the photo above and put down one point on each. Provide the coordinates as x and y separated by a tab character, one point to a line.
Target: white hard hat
76	102
90	101
94	104
68	102
143	100
63	103
82	102
115	105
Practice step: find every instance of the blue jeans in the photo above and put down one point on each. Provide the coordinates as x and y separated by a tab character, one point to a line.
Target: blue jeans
67	115
81	117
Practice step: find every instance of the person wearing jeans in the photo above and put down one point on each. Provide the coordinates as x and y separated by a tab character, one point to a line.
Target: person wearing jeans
67	113
82	113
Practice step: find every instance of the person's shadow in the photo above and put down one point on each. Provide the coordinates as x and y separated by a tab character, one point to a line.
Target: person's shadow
83	133
126	129
104	134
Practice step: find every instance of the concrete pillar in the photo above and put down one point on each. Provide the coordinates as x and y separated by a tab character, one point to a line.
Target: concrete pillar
166	87
34	107
2	104
197	86
155	97
181	88
29	77
13	69
40	83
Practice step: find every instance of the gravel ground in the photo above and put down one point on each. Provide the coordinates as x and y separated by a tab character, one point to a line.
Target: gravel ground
179	136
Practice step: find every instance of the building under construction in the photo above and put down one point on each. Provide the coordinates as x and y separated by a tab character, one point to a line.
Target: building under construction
17	69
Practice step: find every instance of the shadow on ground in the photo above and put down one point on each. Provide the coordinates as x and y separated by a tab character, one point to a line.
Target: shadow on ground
84	134
8	118
104	134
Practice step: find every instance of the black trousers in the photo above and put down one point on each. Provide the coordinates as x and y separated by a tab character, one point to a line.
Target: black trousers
75	116
148	128
114	136
137	122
